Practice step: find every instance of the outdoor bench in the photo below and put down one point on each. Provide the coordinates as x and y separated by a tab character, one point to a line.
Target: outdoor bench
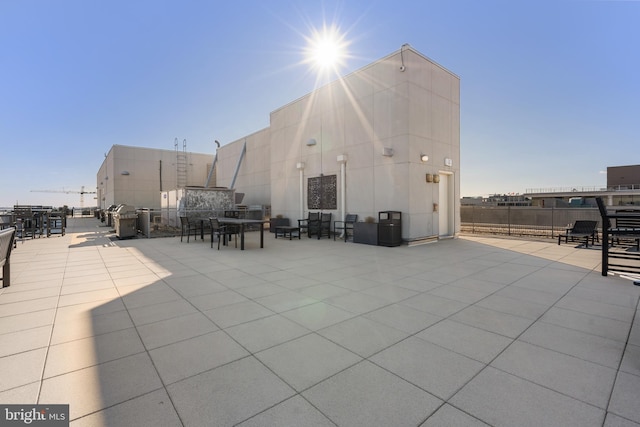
6	244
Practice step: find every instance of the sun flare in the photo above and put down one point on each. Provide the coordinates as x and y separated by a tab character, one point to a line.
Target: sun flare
326	49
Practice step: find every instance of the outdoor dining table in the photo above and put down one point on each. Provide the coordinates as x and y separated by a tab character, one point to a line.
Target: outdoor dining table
243	223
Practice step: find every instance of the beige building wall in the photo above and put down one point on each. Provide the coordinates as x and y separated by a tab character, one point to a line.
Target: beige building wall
136	175
253	178
377	109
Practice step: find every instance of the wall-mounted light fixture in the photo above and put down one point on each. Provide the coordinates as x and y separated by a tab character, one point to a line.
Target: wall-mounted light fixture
311	142
124	173
424	158
436	178
387	151
429	177
448	162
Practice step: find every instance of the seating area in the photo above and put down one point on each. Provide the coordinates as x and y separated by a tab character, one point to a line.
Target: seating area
467	331
316	224
34	221
582	229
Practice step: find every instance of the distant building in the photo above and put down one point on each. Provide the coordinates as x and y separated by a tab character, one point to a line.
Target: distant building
623	188
497	200
623	177
136	176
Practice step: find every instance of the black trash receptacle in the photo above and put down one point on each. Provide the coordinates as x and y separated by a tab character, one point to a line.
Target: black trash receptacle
389	228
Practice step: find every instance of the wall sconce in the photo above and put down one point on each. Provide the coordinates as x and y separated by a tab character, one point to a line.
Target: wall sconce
436	178
448	162
435	207
311	142
387	151
124	173
424	158
429	177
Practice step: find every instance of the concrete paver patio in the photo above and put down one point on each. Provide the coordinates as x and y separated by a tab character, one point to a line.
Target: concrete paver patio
472	331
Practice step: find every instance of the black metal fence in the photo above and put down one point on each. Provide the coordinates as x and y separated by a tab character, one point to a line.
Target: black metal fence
523	221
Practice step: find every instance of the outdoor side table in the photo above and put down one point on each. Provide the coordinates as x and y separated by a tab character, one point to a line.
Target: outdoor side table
283	230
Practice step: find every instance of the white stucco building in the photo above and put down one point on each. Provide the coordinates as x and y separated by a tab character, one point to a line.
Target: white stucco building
383	138
376	124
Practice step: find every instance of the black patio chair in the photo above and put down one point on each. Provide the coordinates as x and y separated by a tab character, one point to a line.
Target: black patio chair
582	229
221	231
188	227
345	225
309	223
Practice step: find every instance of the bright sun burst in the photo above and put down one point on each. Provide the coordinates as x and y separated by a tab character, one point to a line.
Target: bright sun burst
326	49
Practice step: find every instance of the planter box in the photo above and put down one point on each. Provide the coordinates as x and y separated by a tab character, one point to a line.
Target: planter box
277	222
365	232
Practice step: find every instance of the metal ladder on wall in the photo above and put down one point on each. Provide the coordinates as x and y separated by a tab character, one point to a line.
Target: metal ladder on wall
181	164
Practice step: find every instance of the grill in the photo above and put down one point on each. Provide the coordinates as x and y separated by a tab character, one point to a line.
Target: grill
125	218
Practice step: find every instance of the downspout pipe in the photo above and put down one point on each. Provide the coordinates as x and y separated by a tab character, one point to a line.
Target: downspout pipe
213	165
235	175
342	159
300	167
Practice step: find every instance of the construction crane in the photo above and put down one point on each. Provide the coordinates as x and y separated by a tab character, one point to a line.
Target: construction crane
82	192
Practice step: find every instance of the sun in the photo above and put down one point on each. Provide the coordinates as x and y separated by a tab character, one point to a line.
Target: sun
326	49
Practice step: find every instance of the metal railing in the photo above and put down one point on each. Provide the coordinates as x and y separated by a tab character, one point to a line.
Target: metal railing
522	221
582	189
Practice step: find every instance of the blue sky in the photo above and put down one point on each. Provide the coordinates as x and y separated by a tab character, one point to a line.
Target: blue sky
550	94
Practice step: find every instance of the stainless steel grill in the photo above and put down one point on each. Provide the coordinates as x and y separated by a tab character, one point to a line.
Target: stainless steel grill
125	219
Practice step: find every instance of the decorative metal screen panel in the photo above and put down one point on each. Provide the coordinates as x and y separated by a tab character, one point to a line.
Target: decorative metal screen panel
322	192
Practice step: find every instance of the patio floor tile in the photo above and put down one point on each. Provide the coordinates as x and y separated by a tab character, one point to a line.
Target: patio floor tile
439	371
176	329
624	400
186	358
580	344
448	416
153	409
235	314
306	361
569	375
472	342
317	316
228	395
82	353
492	321
368	396
363	336
119	381
295	412
263	333
501	399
